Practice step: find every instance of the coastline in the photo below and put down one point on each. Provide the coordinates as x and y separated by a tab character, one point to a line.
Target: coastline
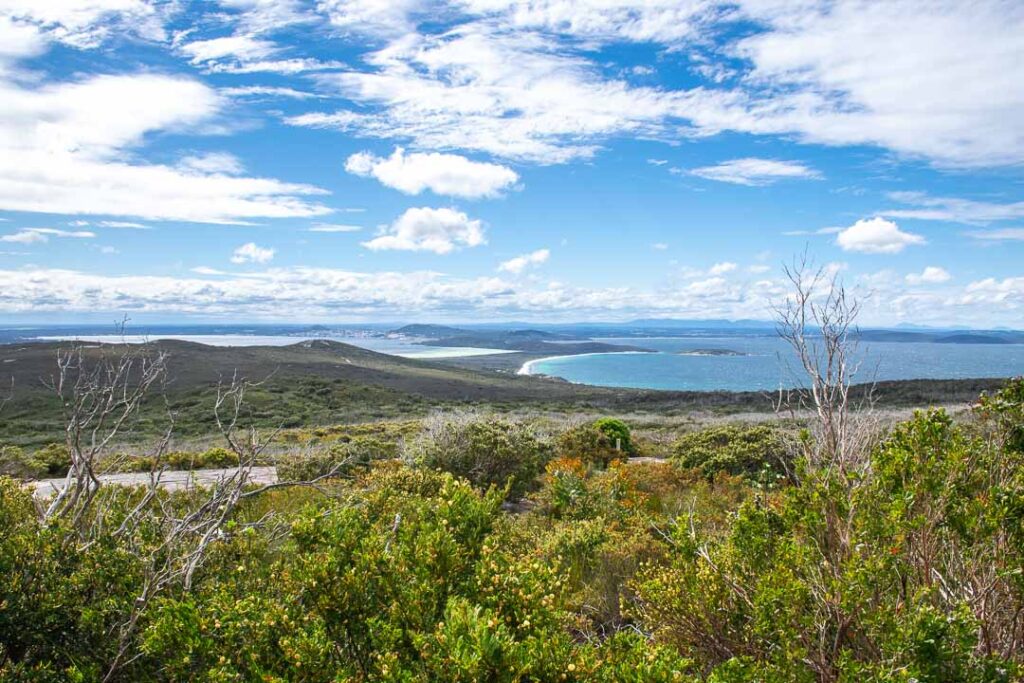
527	368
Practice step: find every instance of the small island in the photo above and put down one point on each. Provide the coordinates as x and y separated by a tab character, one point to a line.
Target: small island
711	352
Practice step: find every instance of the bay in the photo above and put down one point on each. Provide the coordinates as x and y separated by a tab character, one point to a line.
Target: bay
768	363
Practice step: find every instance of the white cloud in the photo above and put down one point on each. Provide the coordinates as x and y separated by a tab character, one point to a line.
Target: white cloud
332	294
260	91
1006	294
250	252
659	246
87	23
758	269
287	67
722	268
24	237
39	235
426	229
931	275
445	174
953	209
242	47
520	263
663	21
1001	235
18	40
831	230
54	158
335	227
206	270
657	162
123	225
752	171
384	17
876	236
212	163
512	95
938	80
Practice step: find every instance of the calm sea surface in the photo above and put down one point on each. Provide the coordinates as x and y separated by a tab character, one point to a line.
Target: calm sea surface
769	363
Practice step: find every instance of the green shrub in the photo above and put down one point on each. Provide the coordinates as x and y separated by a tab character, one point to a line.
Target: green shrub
485	450
340	458
1005	409
55	458
595	443
939	510
217	458
617	432
14	462
736	450
49	461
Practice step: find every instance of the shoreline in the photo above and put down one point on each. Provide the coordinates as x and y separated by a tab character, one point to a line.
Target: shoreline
527	367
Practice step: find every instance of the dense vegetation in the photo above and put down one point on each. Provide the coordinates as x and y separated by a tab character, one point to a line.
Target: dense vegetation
328	383
742	557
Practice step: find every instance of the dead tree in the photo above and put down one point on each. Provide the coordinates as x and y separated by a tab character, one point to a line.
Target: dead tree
818	321
98	393
101	390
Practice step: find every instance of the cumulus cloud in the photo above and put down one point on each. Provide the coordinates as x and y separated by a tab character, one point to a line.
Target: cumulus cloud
931	275
304	293
876	236
445	174
520	263
425	229
753	171
1007	294
250	252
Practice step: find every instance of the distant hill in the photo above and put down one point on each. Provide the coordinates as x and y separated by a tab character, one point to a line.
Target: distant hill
972	339
944	336
424	330
527	341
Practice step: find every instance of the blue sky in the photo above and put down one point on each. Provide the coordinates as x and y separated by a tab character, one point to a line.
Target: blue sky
358	160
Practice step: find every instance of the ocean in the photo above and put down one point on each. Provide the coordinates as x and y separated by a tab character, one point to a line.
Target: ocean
768	363
753	362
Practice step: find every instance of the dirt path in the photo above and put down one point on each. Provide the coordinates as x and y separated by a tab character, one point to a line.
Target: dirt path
179	479
174	480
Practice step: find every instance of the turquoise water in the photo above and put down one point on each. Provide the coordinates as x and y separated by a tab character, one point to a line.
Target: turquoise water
769	363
